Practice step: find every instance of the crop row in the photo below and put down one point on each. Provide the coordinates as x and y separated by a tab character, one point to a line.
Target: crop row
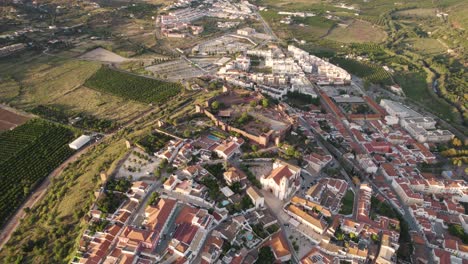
34	150
132	87
371	72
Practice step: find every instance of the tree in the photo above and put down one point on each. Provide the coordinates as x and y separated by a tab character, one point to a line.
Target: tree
187	133
456	142
290	151
375	237
253	103
215	105
265	102
213	86
157	172
265	256
153	198
236	187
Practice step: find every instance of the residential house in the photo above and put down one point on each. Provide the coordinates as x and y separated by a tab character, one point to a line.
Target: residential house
279	246
229	148
317	162
257	198
233	175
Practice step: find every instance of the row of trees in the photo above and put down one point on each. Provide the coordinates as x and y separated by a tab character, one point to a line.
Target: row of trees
84	121
133	87
28	154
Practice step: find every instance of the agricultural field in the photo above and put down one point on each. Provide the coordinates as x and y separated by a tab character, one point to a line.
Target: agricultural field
417	12
55	223
309	29
10	119
29	153
313	27
132	87
357	32
369	72
32	79
426	46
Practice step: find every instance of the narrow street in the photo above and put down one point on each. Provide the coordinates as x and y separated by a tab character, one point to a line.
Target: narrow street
276	206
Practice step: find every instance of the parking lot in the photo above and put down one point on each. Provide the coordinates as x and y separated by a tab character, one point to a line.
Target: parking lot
175	70
137	167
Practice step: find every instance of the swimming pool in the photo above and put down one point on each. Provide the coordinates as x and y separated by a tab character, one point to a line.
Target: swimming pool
214	138
249	237
225	202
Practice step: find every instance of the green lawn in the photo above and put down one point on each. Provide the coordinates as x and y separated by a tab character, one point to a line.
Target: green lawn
348	203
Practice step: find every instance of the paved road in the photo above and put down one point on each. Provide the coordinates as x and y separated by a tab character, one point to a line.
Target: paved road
267	27
185	199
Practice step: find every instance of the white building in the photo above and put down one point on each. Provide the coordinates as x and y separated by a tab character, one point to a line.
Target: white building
283	180
228	149
80	142
399	110
317	162
257	198
406	194
247	31
367	164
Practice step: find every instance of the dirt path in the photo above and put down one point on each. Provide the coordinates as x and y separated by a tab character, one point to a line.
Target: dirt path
40	191
36	196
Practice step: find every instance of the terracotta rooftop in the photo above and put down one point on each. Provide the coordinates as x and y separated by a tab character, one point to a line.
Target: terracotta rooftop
278	245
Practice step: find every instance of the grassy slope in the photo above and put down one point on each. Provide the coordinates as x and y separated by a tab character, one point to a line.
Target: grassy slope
48	234
40	79
358	32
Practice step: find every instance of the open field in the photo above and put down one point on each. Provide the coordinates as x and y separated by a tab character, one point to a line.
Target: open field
313	27
103	55
10	119
132	87
282	3
357	32
33	80
417	12
457	15
175	70
29	153
427	46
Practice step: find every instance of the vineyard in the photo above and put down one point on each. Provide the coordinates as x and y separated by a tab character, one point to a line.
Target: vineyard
132	87
29	153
